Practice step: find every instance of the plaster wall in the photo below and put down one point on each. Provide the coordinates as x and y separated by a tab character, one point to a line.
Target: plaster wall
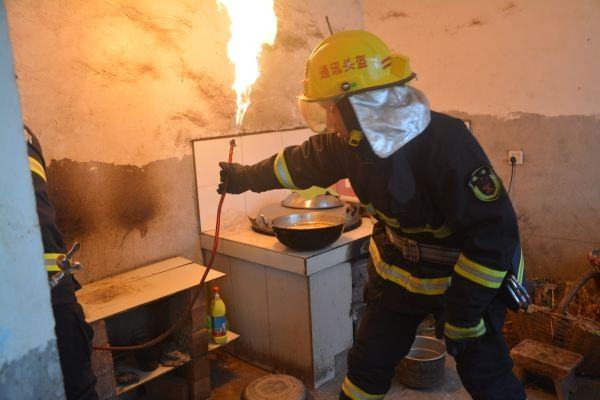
28	358
524	73
116	91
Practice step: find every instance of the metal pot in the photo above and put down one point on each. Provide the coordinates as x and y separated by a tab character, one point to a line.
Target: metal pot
308	231
424	366
320	202
262	222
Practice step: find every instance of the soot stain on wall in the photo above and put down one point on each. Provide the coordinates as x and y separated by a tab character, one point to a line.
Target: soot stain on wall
133	198
126	216
91	194
72	198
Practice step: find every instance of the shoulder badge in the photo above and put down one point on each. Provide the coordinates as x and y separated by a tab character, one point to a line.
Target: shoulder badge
485	184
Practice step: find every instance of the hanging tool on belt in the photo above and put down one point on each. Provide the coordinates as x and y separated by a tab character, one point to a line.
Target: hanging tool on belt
517	291
67	266
415	251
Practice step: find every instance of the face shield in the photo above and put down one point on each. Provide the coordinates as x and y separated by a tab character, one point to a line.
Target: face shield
390	117
318	114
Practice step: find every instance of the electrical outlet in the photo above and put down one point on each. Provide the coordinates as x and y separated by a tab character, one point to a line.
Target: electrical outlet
518	157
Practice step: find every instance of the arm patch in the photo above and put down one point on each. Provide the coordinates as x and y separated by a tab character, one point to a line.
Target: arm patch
485	184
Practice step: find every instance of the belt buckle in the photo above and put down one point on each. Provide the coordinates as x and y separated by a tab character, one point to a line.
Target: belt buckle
410	250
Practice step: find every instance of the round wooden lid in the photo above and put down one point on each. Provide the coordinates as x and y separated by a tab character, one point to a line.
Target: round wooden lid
275	387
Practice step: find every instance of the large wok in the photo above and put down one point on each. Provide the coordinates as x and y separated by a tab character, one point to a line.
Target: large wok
308	231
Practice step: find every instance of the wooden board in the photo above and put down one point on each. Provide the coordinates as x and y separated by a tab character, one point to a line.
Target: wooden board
143	285
231	336
144	376
544	359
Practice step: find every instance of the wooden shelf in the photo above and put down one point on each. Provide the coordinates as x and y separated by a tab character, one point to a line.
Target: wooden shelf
111	296
231	336
144	376
117	294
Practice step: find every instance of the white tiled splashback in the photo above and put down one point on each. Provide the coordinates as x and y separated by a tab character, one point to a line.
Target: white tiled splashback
249	150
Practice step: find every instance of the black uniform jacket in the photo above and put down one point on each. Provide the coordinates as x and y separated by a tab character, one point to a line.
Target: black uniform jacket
439	189
51	237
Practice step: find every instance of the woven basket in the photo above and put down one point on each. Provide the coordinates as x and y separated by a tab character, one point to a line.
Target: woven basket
557	327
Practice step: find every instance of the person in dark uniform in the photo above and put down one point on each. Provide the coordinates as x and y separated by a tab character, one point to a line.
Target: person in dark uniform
73	334
446	234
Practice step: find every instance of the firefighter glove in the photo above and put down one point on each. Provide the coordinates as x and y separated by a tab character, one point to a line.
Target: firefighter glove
236	177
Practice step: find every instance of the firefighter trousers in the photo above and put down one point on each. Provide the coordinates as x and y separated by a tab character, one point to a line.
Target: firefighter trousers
385	336
74	340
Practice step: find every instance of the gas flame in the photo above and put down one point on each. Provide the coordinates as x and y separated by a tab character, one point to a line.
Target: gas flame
253	24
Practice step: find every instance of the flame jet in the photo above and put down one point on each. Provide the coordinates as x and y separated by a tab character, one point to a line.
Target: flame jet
253	24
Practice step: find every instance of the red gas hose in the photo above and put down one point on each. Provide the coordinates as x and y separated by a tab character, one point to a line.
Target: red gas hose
213	253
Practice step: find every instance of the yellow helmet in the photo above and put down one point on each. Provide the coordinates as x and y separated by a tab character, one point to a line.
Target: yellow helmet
349	62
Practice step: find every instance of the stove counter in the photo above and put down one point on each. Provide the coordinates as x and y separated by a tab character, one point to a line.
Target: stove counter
292	309
242	242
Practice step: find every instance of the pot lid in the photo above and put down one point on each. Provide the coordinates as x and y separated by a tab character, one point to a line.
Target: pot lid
321	201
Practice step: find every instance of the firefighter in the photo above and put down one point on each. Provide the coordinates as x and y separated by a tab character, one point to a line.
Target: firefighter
446	233
73	334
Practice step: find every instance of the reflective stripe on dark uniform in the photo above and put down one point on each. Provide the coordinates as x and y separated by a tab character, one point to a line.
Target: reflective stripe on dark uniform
440	244
73	334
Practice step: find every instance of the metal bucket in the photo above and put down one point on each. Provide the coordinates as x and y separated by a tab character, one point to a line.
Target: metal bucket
424	366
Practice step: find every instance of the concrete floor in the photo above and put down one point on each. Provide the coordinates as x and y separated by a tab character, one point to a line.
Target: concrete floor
230	375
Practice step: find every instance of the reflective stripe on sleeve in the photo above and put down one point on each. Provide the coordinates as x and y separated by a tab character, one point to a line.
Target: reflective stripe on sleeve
458	332
282	173
50	261
431	287
478	273
356	393
36	167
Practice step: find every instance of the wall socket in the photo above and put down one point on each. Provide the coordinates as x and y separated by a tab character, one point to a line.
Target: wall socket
517	154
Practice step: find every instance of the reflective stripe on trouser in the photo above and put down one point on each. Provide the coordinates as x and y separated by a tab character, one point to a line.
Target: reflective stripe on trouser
50	261
478	273
282	172
428	286
356	393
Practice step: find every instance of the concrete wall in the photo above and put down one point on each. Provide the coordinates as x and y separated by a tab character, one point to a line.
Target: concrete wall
29	366
116	91
525	73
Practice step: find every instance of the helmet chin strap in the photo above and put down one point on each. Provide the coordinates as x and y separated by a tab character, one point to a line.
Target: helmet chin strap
355	133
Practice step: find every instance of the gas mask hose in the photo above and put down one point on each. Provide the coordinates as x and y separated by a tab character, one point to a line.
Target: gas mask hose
213	253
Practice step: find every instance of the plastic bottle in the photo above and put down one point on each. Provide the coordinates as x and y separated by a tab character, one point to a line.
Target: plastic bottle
217	316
